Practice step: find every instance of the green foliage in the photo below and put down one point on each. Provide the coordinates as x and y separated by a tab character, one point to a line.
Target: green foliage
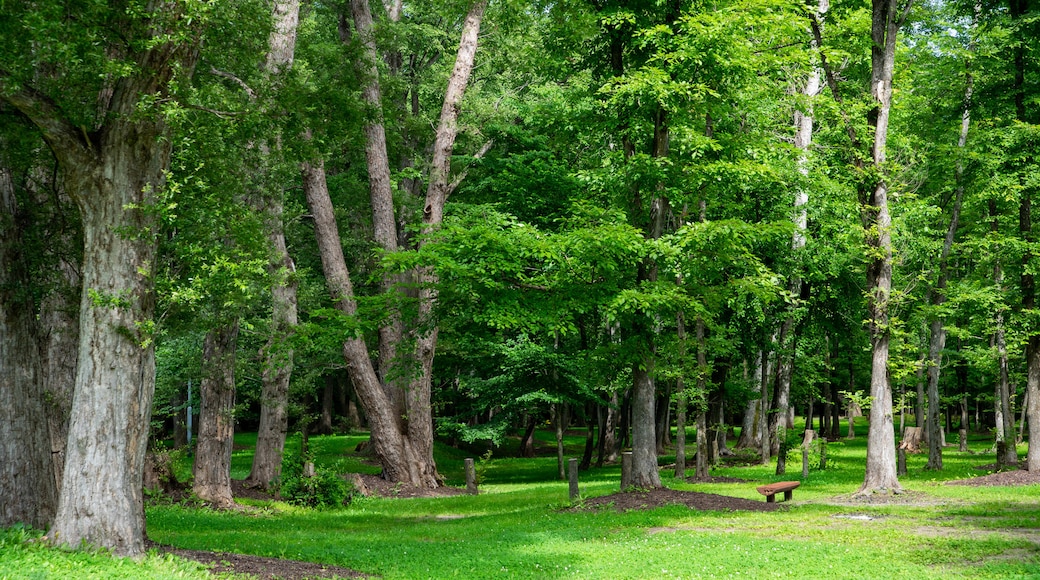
326	489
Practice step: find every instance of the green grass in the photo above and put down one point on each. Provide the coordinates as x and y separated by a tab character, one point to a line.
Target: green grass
516	527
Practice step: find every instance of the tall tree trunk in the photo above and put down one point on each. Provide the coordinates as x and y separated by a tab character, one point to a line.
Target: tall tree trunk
380	194
880	473
27	482
420	412
938	330
277	353
395	453
212	469
1032	351
701	471
680	403
403	441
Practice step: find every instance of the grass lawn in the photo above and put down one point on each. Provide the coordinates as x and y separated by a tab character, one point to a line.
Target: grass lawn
516	527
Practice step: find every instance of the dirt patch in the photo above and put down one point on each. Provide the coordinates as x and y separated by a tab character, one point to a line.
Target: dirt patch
654	498
261	567
906	498
1011	477
715	479
373	485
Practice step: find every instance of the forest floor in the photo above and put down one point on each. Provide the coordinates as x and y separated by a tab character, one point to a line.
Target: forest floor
277	568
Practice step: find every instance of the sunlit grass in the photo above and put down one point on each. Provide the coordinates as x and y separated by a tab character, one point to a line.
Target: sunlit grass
521	525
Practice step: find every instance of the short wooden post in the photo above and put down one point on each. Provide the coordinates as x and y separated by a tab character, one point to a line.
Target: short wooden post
471	477
308	469
963	434
626	470
805	463
572	470
901	466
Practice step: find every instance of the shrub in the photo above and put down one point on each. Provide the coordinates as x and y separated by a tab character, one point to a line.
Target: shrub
325	489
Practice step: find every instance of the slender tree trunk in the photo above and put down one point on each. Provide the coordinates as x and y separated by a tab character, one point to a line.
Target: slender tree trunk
880	473
680	408
938	331
590	437
403	440
702	465
527	441
764	435
380	193
212	470
27	485
277	353
558	415
395	452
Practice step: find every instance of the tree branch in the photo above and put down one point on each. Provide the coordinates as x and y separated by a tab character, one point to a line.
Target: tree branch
462	175
249	91
69	143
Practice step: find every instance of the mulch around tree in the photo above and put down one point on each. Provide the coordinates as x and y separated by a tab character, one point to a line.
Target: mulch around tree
1007	477
654	498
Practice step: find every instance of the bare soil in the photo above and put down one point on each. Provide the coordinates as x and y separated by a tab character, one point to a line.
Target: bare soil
650	499
261	567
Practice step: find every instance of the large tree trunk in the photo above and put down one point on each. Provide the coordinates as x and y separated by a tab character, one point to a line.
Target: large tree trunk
212	469
277	353
27	485
114	175
115	379
881	453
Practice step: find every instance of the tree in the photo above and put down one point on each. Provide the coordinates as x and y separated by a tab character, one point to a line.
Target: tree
27	476
403	441
114	150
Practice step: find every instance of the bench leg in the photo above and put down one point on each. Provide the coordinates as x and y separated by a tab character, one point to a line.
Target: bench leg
788	495
771	498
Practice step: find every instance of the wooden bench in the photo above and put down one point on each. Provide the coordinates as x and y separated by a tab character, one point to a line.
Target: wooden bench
772	489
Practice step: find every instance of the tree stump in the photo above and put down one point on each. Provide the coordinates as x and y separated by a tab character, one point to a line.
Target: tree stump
572	469
471	477
912	438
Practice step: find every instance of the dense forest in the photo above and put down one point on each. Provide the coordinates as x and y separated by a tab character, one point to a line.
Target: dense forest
466	220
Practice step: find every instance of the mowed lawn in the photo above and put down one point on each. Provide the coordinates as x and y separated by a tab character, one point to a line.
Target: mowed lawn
523	525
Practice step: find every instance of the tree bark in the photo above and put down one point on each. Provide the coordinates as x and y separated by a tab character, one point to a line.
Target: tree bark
380	194
277	353
212	469
880	473
403	441
27	483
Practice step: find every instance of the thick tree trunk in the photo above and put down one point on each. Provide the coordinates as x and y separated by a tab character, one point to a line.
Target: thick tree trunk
644	456
212	469
28	491
115	378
